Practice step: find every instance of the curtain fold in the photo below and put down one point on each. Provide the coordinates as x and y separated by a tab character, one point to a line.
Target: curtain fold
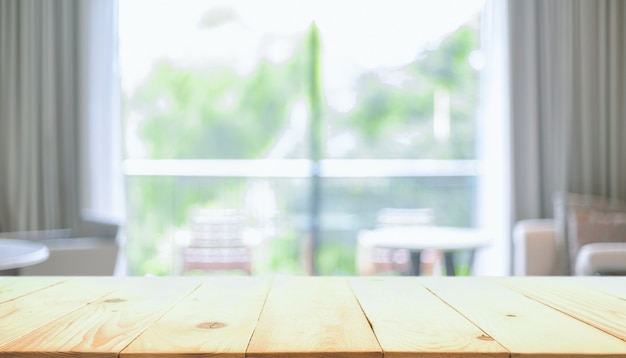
40	106
567	101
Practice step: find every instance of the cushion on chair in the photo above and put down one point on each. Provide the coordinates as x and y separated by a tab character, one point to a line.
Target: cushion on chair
602	258
584	219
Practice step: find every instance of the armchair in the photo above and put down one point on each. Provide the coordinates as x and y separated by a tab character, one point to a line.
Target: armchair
586	237
538	251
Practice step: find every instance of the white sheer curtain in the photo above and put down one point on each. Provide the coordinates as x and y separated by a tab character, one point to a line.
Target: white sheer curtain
493	186
568	107
46	101
101	139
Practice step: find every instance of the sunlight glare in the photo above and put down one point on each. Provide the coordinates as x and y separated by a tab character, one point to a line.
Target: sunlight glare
356	35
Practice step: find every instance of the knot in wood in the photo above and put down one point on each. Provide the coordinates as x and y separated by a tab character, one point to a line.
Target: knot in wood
114	300
210	325
484	337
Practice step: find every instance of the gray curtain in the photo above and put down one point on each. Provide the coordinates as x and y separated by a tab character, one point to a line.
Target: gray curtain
568	95
41	106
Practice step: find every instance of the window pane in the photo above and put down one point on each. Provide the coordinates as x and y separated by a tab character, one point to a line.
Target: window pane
223	89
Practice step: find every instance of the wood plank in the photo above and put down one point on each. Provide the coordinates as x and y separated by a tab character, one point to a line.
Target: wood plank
217	319
599	309
107	325
312	317
410	321
522	325
15	287
27	313
612	285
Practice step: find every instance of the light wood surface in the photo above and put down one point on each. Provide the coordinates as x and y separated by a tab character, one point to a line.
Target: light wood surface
312	317
611	285
26	314
218	317
524	325
409	321
11	289
107	324
599	309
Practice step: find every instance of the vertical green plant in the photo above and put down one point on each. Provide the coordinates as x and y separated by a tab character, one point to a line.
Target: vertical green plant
315	110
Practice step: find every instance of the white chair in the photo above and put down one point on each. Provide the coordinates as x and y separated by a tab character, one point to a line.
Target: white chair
217	243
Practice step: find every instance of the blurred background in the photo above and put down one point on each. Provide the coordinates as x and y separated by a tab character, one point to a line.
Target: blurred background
285	128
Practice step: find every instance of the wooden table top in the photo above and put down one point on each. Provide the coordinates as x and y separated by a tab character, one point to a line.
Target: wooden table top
313	317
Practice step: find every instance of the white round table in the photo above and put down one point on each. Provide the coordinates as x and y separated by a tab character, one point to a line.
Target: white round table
416	239
15	254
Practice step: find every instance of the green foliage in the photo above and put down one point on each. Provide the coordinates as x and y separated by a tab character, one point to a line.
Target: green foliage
214	113
447	65
280	255
396	101
315	93
336	259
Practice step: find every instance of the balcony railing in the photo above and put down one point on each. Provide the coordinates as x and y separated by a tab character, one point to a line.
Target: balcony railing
301	168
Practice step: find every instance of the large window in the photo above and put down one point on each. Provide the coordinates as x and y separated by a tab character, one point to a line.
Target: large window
304	118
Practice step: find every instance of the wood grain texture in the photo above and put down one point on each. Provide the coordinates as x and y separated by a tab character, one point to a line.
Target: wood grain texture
15	287
312	317
522	325
410	321
217	319
107	325
21	316
615	286
597	308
